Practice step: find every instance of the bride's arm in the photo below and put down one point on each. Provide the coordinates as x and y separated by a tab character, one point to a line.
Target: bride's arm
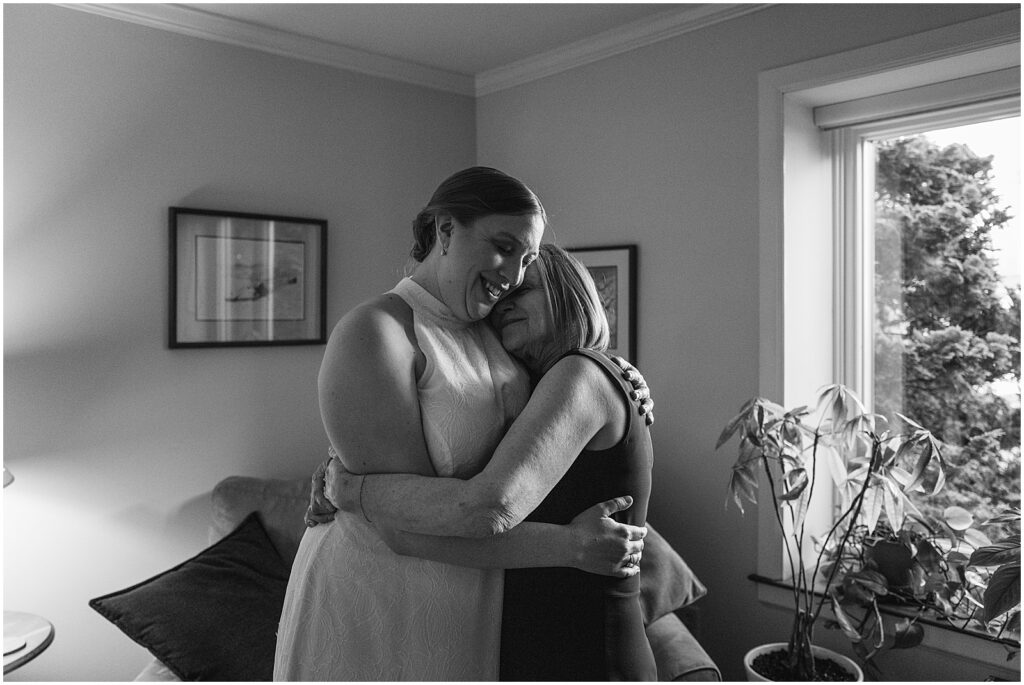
370	348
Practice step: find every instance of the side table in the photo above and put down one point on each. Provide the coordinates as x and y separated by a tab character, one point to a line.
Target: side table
26	636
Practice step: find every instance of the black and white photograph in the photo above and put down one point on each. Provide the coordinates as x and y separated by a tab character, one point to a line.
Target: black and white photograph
356	342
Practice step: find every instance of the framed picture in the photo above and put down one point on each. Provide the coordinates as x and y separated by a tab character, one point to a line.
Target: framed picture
614	272
246	279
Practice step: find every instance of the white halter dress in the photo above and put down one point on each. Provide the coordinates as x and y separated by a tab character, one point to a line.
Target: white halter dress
355	610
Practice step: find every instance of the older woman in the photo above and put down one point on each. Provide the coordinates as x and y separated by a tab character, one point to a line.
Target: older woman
579	440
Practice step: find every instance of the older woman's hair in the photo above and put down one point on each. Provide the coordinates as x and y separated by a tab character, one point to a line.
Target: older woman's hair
468	195
579	318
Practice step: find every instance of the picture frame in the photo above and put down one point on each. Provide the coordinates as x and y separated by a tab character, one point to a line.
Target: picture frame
243	280
614	269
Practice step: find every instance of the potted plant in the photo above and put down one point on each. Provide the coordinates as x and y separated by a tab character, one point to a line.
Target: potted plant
873	467
941	569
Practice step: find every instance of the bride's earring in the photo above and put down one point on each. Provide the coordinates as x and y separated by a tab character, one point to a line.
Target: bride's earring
441	235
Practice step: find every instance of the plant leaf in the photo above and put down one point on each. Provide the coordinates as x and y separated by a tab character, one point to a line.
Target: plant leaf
1005	517
996	554
921	467
956	559
833	464
1003	591
742	484
908	634
893	499
730	429
871	509
928	557
870	580
901	476
904	446
958	518
940	473
976	539
909	422
795	483
1013	625
844	620
798	413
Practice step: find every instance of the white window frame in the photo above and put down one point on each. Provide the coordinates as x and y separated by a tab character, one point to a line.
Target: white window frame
813	328
853	183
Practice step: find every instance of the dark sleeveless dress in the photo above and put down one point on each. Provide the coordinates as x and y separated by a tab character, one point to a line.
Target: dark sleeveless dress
566	624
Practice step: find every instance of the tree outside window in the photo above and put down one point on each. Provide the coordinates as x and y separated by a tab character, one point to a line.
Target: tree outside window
947	312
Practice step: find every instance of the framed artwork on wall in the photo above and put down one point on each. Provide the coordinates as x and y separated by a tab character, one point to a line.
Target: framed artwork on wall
241	280
614	271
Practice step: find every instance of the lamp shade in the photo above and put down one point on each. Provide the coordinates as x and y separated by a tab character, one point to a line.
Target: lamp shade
8	477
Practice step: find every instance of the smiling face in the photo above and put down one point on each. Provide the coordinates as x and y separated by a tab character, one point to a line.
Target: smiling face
485	260
555	311
524	320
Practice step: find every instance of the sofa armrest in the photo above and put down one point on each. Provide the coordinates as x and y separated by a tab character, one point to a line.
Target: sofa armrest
677	653
280	503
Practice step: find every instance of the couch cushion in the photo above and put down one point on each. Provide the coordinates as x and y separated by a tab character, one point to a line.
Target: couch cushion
214	616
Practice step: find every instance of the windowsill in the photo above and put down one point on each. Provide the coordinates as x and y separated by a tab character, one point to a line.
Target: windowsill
986	650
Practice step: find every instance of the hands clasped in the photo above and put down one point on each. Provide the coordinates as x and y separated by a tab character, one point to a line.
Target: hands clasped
320	509
333	487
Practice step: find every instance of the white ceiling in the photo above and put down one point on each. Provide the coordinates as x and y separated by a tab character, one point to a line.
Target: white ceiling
469	48
462	38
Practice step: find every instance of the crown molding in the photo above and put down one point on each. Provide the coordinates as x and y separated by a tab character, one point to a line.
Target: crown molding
615	41
201	24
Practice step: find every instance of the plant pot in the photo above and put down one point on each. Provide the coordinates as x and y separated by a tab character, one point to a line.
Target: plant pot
845	663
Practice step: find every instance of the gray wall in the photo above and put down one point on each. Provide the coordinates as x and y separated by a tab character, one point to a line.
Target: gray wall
659	147
114	439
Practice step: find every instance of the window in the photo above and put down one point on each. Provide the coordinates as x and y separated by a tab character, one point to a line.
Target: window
819	123
936	301
945	320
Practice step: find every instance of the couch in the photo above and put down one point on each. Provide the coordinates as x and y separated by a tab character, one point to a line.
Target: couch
214	616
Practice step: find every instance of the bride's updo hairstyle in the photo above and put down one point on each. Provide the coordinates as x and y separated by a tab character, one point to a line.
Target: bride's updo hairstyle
468	195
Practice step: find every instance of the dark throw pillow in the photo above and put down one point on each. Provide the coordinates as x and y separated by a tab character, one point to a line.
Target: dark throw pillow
666	581
213	617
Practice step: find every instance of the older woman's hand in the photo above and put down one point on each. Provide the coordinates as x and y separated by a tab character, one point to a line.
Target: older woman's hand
641	392
343	488
603	545
319	510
